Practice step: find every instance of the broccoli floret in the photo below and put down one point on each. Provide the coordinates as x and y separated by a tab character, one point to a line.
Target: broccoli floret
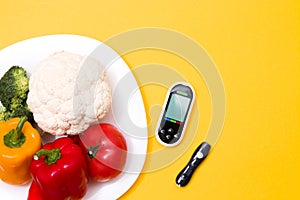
14	88
19	112
22	111
3	113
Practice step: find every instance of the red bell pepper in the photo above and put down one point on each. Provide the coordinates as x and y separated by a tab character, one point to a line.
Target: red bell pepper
59	170
34	192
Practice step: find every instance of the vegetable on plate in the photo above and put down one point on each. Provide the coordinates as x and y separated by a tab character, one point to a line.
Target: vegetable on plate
18	143
68	93
14	88
59	170
34	192
105	150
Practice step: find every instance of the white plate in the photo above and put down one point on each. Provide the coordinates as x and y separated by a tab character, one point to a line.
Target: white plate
127	112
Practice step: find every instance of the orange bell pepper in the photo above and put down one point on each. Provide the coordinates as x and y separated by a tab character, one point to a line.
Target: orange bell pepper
19	141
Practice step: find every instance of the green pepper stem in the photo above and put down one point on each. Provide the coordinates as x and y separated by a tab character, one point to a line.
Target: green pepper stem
18	132
15	138
51	156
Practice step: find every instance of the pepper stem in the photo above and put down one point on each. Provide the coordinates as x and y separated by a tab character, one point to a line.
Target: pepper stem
51	156
15	138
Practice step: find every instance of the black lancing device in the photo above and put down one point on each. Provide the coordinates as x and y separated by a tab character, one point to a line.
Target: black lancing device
198	156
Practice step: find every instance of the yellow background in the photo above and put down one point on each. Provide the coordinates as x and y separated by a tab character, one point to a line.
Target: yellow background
256	46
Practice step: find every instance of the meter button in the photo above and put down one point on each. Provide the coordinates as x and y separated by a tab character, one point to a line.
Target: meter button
170	130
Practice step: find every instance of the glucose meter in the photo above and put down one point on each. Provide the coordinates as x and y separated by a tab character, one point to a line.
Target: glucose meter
175	114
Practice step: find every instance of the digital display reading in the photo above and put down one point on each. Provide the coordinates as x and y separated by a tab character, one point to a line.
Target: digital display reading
178	107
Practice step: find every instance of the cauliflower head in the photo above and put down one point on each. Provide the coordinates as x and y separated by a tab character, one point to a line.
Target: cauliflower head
68	93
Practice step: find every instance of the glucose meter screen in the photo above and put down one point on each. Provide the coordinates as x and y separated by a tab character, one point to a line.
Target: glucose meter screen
177	107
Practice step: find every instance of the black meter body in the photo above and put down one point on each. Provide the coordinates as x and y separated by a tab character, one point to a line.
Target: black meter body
175	114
